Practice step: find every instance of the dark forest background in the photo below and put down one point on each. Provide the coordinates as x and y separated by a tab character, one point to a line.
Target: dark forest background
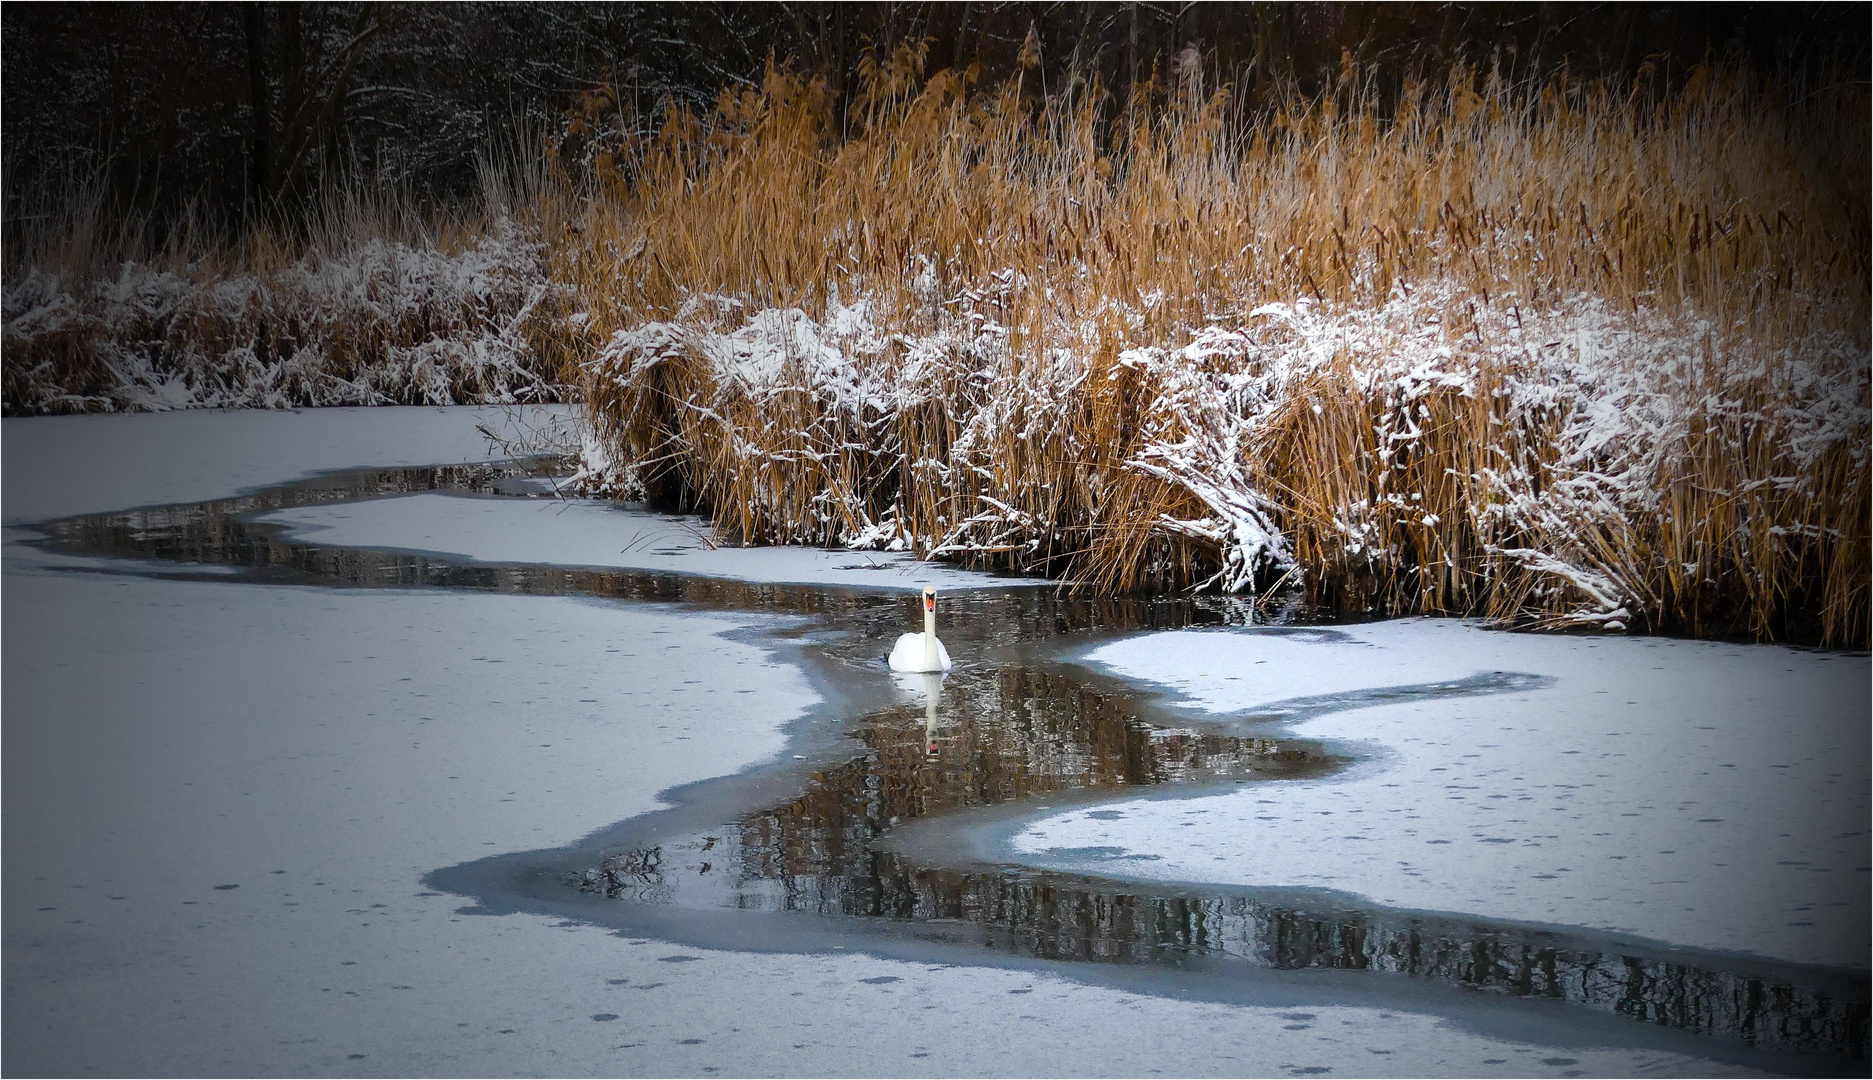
238	107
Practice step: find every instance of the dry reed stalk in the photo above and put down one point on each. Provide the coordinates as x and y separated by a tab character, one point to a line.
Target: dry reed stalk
1573	354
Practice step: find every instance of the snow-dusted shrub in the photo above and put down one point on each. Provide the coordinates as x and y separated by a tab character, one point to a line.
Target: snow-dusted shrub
376	322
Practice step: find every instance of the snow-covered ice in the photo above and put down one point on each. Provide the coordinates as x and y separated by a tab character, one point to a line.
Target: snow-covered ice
1700	794
60	466
221	800
585	532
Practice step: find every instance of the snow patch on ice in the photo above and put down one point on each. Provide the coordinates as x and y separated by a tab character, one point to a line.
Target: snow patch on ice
1701	794
585	532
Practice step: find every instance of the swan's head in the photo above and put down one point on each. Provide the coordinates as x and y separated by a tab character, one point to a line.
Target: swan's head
929	597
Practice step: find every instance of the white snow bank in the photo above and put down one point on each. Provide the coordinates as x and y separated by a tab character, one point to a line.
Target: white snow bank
1702	794
59	466
582	532
220	801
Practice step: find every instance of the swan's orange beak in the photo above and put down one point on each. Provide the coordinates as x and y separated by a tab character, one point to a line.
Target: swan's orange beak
929	601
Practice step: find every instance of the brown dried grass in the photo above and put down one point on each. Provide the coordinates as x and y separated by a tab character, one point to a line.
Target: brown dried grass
1085	236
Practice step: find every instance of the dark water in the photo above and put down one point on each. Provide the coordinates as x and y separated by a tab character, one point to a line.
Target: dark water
794	857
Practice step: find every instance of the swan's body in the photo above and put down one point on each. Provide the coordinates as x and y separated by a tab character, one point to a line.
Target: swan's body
921	652
913	654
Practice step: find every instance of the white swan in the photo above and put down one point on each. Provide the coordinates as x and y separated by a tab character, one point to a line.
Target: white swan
922	652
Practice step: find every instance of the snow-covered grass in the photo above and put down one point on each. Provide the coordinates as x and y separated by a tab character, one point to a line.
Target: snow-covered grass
1699	794
1584	468
1570	354
369	307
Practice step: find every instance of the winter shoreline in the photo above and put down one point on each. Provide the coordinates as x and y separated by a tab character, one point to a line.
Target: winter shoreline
1582	355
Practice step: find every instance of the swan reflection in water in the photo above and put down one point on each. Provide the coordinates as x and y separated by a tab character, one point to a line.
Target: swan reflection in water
930	685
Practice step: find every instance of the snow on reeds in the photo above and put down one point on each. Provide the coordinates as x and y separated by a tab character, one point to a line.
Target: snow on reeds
1565	354
354	314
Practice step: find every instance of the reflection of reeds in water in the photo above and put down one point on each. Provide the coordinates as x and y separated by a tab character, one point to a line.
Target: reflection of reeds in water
1076	919
1020	734
1026	734
1110	922
1577	353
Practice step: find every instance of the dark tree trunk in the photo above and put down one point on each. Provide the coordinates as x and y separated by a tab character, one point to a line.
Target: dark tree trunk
260	146
962	34
1131	48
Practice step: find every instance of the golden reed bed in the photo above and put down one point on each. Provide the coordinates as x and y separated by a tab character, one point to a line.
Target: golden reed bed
1561	353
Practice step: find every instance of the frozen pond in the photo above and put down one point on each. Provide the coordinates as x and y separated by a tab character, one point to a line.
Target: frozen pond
498	795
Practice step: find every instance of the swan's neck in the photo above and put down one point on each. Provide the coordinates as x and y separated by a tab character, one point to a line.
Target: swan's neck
929	639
